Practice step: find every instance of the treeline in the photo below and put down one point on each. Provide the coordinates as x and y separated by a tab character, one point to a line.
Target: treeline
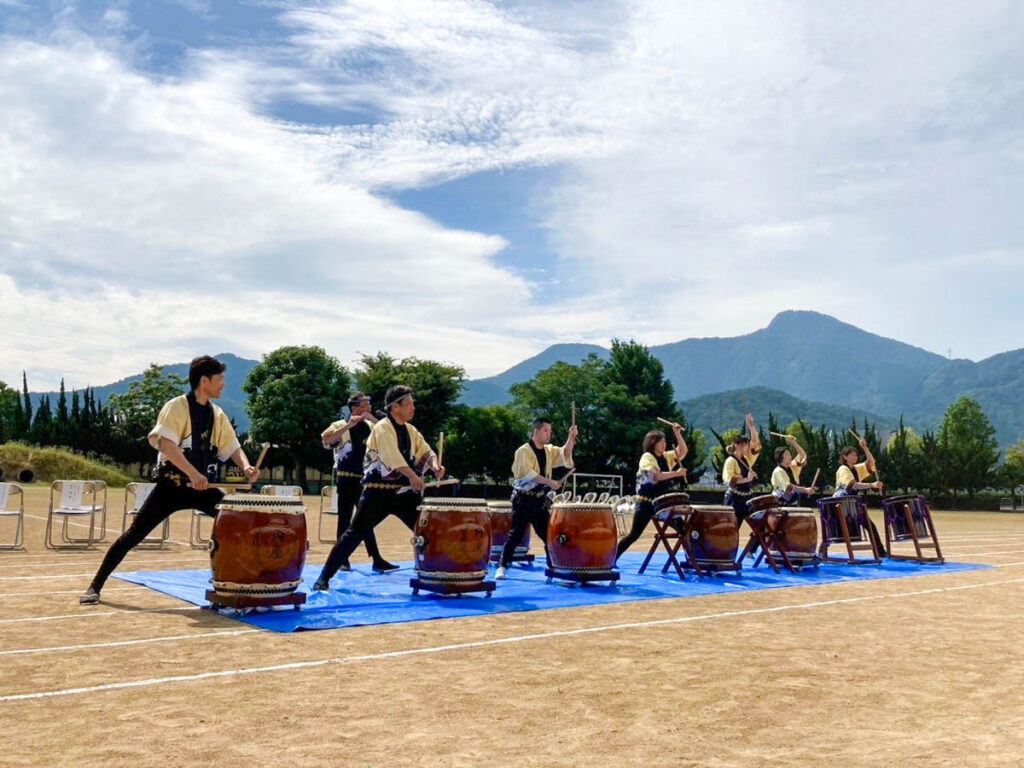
296	391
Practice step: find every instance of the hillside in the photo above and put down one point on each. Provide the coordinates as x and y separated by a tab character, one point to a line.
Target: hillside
232	401
494	389
724	410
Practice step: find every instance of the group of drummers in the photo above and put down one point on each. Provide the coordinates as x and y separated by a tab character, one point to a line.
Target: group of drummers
381	460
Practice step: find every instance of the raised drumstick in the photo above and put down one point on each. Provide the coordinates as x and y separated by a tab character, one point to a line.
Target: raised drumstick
667	423
779	434
574	413
263	453
440	450
855	435
817	475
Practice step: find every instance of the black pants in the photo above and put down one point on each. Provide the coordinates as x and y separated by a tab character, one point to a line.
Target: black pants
164	500
526	510
349	490
739	505
642	515
374	506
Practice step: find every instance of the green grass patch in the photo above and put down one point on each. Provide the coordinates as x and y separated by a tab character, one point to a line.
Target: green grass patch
49	464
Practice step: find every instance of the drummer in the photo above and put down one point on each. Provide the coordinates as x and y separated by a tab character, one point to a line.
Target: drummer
850	475
786	475
658	468
850	479
396	455
737	471
191	435
531	471
347	437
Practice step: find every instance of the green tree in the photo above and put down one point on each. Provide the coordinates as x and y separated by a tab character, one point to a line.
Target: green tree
482	441
969	447
1012	471
61	432
26	408
436	387
10	416
902	458
817	446
135	412
42	424
292	395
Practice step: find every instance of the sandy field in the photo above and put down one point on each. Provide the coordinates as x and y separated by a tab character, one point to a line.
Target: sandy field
921	671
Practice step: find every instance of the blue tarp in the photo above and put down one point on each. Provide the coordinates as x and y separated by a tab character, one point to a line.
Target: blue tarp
361	597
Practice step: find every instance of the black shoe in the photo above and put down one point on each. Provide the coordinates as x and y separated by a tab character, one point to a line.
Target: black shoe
383	566
91	597
321	585
346	566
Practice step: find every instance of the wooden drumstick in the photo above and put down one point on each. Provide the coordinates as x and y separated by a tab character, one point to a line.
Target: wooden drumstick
263	453
668	423
746	411
440	450
574	413
435	484
817	475
855	435
778	434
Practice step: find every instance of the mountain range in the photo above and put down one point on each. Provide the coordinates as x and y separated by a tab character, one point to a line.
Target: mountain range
802	364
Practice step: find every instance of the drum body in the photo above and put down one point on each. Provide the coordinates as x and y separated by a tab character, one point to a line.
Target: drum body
452	541
501	525
851	509
714	537
896	512
799	532
581	541
258	546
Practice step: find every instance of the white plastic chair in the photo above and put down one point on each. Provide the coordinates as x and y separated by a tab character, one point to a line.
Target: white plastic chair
589	498
77	499
281	490
329	494
7	492
139	492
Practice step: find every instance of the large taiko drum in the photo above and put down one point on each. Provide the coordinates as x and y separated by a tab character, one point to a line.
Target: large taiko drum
760	504
452	541
670	503
714	538
799	533
258	546
581	542
501	524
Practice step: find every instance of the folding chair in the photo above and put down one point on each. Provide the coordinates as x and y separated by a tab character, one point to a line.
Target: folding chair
196	540
77	499
589	498
7	491
139	492
329	494
281	490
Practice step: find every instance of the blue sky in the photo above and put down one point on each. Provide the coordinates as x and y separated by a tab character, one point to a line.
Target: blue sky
473	181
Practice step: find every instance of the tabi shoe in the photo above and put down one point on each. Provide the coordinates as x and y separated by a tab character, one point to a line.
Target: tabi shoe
321	585
500	573
383	566
91	597
346	566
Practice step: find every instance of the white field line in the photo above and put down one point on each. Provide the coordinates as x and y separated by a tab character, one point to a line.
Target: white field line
1007	565
49	576
483	643
119	643
205	560
94	615
987	554
48	593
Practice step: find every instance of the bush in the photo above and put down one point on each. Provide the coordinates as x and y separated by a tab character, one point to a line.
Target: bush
56	464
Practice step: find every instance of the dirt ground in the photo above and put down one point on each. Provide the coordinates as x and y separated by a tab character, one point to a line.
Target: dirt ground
922	671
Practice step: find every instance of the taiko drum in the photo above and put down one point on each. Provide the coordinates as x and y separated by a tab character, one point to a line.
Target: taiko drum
258	546
582	539
715	537
501	525
452	540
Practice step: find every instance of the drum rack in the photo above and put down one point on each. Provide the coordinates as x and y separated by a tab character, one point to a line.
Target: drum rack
901	526
771	540
580	577
845	536
239	602
451	587
666	532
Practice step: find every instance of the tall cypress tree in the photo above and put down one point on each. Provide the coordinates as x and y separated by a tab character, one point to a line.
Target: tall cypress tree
27	423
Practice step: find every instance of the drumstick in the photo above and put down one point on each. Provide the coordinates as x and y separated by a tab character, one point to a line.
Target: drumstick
814	482
855	435
263	453
435	484
574	413
745	409
440	450
668	423
778	434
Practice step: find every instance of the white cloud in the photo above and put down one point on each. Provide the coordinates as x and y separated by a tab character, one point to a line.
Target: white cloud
722	162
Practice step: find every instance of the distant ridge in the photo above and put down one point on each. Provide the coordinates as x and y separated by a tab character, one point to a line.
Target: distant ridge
494	389
232	401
